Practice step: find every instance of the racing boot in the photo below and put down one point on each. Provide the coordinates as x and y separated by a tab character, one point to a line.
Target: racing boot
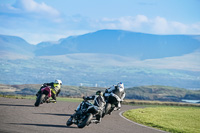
53	101
98	119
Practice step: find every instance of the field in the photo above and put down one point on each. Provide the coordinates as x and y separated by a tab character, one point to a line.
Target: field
35	71
172	119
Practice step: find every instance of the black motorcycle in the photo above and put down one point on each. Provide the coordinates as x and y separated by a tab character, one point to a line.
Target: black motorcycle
84	116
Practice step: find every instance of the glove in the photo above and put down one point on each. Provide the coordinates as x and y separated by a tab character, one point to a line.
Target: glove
84	97
45	84
106	91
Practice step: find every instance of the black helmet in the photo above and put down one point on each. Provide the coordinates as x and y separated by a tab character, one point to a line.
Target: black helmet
99	93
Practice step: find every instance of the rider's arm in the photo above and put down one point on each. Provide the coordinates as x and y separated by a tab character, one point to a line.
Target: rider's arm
49	84
58	92
112	88
90	98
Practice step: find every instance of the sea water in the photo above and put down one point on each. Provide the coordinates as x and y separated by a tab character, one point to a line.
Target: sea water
190	101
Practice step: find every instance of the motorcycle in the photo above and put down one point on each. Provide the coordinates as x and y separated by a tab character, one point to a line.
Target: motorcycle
43	96
111	103
84	116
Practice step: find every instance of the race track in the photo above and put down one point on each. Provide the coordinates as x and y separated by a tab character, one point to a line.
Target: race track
20	116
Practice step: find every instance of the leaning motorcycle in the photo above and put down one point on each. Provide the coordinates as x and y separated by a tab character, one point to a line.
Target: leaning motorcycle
84	116
43	96
111	103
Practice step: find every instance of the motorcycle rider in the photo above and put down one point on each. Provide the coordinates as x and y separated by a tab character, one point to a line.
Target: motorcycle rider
81	106
116	91
55	88
99	102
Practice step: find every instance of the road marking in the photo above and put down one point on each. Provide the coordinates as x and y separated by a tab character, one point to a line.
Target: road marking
138	123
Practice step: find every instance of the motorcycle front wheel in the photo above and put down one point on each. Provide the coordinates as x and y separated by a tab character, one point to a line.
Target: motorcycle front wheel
85	121
39	99
69	122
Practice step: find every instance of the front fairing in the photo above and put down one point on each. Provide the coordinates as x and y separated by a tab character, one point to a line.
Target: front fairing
84	112
79	118
92	109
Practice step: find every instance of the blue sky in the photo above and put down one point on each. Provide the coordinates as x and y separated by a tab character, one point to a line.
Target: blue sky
49	20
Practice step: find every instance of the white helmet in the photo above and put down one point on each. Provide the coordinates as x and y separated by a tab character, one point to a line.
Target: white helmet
120	86
58	81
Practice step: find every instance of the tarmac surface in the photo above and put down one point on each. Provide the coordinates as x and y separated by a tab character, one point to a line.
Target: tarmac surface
20	116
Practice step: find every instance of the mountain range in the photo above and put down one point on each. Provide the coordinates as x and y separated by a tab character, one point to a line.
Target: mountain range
104	57
116	42
123	43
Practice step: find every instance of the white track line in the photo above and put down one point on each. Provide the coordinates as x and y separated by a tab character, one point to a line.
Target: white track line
138	123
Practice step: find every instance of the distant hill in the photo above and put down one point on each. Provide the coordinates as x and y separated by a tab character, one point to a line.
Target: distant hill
123	43
15	45
161	93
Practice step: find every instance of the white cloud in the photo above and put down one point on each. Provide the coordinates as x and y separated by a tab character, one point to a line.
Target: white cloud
32	9
177	26
125	23
160	25
131	23
195	28
32	6
141	23
140	19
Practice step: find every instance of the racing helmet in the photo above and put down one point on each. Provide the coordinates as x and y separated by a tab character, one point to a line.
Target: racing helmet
120	85
99	93
57	81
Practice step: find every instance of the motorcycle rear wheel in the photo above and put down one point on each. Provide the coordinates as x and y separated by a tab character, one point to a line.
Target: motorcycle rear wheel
108	108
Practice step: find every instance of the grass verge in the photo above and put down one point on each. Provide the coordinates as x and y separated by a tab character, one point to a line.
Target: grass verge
68	99
156	103
172	119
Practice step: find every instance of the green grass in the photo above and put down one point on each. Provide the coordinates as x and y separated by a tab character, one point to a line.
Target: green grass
148	103
171	119
68	99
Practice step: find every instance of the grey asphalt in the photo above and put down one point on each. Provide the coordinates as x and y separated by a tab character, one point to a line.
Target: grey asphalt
20	116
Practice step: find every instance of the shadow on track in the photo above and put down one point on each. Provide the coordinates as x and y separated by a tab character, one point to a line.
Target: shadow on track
54	114
17	105
43	125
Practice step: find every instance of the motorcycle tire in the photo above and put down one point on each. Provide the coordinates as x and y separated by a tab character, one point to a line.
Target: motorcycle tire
108	108
86	121
103	113
39	99
69	122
